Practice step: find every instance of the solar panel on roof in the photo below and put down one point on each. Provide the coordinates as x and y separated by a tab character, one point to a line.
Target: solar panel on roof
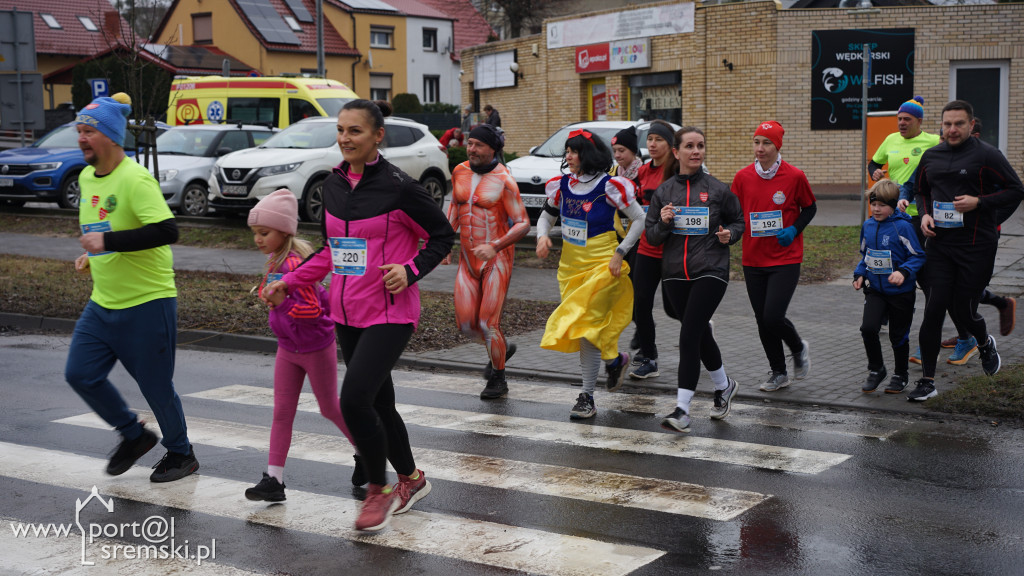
370	5
268	22
299	9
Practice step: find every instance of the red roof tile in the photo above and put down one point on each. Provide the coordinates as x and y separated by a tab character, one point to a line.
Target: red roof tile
470	26
418	9
72	38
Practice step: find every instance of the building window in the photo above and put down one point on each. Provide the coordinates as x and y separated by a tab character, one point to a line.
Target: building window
431	89
380	86
293	24
202	28
430	39
381	37
88	23
50	21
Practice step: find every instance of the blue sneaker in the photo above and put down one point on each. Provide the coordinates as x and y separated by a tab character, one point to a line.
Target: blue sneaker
963	351
915	358
647	369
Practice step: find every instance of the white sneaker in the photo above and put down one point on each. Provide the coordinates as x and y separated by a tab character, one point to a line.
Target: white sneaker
802	364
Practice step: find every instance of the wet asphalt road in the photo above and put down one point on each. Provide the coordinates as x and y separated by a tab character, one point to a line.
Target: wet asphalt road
893	495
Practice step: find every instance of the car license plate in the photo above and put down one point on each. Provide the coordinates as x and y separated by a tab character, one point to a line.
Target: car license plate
534	201
234	190
6	182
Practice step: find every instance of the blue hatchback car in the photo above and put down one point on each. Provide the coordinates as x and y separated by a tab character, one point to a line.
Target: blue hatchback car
47	171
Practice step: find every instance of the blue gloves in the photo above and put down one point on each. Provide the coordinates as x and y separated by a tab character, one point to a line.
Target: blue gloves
786	236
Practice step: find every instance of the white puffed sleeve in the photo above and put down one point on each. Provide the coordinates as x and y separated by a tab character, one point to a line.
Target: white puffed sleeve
620	192
553	190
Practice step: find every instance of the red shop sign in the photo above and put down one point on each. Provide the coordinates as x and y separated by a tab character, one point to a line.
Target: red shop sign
592	58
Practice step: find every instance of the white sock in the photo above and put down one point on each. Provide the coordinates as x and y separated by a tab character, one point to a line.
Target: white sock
683	397
719	378
277	472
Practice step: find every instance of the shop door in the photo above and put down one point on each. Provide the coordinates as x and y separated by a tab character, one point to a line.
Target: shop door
985	85
597	102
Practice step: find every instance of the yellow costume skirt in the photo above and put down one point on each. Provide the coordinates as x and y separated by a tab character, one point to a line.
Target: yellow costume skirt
595	305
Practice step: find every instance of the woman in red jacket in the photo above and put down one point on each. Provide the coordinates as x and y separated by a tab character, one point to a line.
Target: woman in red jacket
777	204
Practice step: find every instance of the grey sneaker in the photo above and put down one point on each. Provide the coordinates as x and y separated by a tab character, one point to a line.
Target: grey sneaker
777	381
584	407
723	400
677	421
802	361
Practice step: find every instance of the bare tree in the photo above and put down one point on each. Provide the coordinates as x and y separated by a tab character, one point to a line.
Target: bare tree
521	14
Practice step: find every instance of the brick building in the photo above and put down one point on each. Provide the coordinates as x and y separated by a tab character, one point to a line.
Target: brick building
751	61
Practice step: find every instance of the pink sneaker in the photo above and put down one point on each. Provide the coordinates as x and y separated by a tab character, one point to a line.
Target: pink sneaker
379	504
410	491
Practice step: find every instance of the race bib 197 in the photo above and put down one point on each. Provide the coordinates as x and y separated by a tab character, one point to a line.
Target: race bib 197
574	231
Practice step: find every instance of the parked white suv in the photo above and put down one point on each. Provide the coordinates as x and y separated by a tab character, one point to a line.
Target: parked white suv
301	156
545	161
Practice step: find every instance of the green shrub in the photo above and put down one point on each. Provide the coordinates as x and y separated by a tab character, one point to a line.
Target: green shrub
456	156
406	103
441	108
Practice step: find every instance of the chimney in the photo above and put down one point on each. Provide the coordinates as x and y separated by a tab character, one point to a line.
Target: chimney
112	25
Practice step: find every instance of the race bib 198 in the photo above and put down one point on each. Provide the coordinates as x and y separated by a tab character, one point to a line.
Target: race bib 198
946	216
691	221
765	223
348	256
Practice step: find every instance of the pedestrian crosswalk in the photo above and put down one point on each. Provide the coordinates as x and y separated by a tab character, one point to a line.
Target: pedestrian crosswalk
499	544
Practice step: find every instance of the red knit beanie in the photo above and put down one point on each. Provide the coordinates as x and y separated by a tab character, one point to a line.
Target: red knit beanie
771	130
278	210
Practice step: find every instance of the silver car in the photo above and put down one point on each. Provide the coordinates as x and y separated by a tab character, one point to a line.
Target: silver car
186	155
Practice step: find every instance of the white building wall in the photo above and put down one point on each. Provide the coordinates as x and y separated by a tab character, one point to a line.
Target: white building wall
439	63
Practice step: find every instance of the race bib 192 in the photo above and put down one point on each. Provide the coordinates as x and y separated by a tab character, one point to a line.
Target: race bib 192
765	223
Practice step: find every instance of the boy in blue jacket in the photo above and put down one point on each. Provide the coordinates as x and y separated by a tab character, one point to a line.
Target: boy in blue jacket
891	257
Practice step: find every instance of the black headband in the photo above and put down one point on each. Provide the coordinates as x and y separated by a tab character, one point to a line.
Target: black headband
873	197
664	131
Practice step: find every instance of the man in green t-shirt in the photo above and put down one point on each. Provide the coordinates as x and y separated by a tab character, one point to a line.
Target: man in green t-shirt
902	150
132	314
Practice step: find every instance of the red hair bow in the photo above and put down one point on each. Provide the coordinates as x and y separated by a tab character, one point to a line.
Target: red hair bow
581	132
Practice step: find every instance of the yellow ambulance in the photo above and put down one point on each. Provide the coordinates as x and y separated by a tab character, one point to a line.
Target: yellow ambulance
271	101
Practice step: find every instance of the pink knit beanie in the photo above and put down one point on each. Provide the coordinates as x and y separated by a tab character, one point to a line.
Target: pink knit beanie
278	210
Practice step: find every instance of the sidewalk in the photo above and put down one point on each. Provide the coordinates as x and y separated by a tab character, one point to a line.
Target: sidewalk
826	315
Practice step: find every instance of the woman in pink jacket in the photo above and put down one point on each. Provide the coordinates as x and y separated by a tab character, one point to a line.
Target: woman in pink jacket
374	218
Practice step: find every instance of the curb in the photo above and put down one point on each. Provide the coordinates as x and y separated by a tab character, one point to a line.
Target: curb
263	344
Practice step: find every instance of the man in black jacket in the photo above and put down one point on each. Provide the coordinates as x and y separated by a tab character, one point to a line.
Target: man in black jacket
963	184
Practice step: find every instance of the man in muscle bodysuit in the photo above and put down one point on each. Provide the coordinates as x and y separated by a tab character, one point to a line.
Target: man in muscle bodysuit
490	217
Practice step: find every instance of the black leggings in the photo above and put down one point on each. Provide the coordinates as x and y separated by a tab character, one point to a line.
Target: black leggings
695	301
957	275
900	310
368	397
646	277
770	289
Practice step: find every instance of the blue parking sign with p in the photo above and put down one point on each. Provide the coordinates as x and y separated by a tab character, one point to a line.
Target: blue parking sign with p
99	87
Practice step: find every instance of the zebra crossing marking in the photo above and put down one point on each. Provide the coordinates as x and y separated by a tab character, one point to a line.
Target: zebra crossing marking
524	549
668	496
857	425
590	436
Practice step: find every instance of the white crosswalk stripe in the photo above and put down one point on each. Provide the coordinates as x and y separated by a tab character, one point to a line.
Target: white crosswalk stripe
600	437
844	424
515	548
593	486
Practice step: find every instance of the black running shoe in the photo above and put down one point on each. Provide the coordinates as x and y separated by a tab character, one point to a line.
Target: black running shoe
616	371
268	490
510	351
584	407
875	378
359	477
990	361
897	384
925	389
174	466
496	386
128	451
